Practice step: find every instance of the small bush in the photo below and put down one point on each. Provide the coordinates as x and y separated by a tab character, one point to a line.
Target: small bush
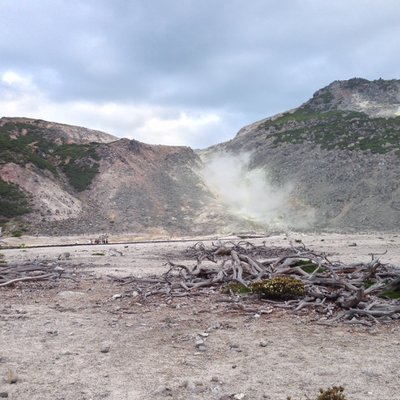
13	201
279	288
236	287
333	393
16	234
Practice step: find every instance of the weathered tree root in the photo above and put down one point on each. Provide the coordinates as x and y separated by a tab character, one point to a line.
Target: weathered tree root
331	287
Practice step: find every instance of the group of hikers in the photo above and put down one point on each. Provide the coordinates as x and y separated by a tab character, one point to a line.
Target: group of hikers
102	239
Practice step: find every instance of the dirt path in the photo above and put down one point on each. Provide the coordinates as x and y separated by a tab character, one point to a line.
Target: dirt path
74	341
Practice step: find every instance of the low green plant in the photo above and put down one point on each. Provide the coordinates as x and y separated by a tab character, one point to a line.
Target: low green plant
16	233
333	393
308	266
236	287
13	201
80	176
391	294
279	288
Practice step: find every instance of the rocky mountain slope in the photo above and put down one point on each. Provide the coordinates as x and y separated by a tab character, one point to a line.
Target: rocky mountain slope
339	151
59	181
331	164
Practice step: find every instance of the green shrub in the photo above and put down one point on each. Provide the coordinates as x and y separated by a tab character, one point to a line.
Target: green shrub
333	393
279	288
13	201
80	176
236	287
16	234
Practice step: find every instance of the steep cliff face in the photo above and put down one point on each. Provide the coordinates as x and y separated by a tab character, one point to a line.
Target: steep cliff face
340	155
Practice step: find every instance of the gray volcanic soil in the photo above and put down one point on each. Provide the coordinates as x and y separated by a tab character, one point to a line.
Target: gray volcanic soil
74	341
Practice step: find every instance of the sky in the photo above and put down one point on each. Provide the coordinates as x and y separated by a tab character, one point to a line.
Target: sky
185	72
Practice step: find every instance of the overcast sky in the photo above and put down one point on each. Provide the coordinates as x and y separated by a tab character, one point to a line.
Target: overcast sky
185	72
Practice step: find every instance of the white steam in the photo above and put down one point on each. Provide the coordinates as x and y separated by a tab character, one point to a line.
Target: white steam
246	192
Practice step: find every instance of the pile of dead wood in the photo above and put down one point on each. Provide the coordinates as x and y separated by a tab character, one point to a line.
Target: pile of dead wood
355	293
29	272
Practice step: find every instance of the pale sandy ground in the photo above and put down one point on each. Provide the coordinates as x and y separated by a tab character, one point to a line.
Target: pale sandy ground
74	341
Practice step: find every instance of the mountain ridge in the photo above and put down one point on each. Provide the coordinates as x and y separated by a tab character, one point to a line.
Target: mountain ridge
333	163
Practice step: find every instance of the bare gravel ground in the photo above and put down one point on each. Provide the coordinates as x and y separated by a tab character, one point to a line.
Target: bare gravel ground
74	340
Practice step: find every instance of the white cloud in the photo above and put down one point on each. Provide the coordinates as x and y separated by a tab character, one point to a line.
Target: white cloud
16	80
149	124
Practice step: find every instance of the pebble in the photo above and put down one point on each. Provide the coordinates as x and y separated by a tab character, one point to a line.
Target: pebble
215	326
105	349
165	391
117	296
64	256
12	377
199	342
239	396
4	395
202	348
263	344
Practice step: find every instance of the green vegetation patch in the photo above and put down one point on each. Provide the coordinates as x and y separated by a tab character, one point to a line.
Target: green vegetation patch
23	148
337	130
24	143
332	393
80	176
13	201
391	294
279	288
308	266
237	288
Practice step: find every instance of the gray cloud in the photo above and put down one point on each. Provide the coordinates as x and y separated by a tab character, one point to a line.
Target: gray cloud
240	60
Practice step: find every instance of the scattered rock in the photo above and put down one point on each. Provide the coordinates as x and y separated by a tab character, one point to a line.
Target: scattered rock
12	377
64	256
70	295
199	342
3	395
117	296
165	391
263	343
105	348
202	347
